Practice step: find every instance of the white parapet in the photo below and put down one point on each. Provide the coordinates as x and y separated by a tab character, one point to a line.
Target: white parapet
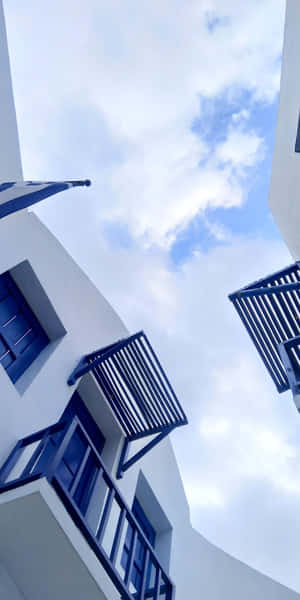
10	159
284	198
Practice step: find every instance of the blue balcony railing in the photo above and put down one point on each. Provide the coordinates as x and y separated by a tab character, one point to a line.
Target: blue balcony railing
270	311
137	390
66	456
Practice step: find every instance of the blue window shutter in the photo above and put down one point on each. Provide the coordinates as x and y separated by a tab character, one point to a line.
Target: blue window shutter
21	335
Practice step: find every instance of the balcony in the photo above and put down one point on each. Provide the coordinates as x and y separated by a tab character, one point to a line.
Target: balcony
137	390
81	493
270	311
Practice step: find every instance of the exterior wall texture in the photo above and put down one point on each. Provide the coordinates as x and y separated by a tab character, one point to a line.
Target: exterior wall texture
10	160
88	322
284	197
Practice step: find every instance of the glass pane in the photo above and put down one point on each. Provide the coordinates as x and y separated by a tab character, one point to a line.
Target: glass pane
75	451
86	484
64	474
22	461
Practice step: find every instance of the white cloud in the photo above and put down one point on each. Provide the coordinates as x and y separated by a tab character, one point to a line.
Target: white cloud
242	115
241	149
212	427
217	230
203	496
143	72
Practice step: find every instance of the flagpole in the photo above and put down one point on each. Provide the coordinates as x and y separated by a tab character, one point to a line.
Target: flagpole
86	182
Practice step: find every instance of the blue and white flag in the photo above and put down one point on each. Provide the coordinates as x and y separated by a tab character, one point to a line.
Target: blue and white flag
16	195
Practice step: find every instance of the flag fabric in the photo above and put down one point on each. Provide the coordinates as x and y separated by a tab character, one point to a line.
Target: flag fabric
16	195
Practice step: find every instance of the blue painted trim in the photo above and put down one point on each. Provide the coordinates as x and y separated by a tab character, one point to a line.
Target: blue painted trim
90	361
67	496
292	370
14	456
23	358
278	289
76	407
117	402
251	331
26	200
297	142
123	457
105	515
144	522
10	462
29	199
117	537
137	390
270	311
264	281
6	186
75	373
124	464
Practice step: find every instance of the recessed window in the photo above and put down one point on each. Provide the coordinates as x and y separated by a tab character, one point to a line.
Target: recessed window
22	337
30	328
140	548
157	518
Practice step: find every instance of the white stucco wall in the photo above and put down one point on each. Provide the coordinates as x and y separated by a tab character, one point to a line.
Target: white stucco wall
284	197
198	568
10	160
8	588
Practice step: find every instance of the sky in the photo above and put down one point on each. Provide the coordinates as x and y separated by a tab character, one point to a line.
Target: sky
170	108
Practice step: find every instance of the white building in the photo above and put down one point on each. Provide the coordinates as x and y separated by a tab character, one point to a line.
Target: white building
70	527
270	307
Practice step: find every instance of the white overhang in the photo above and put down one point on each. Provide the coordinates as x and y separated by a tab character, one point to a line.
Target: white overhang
44	551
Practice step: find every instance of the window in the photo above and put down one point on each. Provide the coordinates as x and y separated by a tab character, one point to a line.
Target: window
140	550
76	407
21	336
77	447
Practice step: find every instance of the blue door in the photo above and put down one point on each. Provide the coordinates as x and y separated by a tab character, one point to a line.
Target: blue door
21	335
140	551
76	452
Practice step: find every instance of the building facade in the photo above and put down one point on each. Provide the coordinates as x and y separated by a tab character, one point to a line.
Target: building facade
91	499
270	307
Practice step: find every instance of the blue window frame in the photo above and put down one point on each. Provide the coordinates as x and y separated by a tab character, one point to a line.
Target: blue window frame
21	335
140	550
77	449
77	452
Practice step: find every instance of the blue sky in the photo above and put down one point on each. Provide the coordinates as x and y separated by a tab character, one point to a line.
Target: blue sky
253	218
170	109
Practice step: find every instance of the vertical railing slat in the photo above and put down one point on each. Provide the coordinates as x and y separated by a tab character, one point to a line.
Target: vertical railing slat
157	583
117	536
131	558
35	456
10	462
105	515
62	448
124	583
79	473
145	575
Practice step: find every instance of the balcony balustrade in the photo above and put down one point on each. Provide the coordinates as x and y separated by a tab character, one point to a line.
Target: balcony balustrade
137	390
270	311
65	455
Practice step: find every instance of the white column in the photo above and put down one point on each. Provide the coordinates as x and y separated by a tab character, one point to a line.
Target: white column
10	158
